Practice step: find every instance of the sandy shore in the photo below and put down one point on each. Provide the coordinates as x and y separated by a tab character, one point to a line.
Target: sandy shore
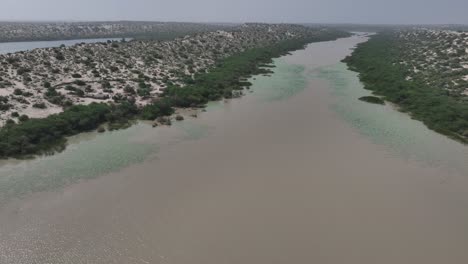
279	182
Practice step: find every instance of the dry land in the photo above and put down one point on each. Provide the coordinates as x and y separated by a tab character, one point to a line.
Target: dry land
41	82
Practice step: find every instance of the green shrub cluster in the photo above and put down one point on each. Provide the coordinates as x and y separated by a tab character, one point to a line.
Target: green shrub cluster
36	135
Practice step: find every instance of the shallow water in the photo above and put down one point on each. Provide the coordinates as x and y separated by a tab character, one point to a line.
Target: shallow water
11	47
299	170
406	137
89	155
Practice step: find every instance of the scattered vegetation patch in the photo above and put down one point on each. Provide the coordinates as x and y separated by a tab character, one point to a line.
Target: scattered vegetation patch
372	100
41	105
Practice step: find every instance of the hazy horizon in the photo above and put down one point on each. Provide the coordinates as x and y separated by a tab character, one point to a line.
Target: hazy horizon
226	22
212	11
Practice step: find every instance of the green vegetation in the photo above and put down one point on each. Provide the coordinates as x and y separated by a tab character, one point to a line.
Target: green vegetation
41	105
47	135
36	136
4	105
157	109
23	118
377	61
229	75
372	100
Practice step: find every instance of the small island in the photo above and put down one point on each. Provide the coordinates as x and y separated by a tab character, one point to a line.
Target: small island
372	100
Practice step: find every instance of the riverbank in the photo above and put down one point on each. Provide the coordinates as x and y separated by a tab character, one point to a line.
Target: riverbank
380	68
50	80
278	176
226	80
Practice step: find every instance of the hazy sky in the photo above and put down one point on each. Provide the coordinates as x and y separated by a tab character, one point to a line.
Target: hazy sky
321	11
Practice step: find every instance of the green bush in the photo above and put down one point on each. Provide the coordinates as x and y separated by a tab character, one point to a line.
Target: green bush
41	105
23	118
17	92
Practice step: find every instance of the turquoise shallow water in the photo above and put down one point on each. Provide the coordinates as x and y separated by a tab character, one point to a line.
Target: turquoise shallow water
386	126
286	81
90	155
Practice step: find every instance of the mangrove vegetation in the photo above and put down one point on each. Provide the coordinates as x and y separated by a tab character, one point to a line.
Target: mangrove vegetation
378	63
229	77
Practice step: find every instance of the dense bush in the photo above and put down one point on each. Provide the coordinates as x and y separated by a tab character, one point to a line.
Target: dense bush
159	108
35	135
4	105
372	100
41	105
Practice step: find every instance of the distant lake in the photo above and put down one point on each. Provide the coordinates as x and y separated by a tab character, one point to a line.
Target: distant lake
11	47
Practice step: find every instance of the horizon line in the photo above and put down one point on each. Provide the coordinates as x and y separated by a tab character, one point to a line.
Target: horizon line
231	22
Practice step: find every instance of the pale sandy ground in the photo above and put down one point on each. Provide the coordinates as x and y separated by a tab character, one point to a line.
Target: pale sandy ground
42	113
280	182
6	91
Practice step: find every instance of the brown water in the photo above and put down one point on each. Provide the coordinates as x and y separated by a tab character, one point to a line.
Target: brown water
277	179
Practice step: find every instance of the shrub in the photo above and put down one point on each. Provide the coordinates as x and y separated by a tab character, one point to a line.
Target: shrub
143	92
157	109
41	105
10	122
23	118
79	82
17	91
59	56
51	92
128	89
372	100
22	71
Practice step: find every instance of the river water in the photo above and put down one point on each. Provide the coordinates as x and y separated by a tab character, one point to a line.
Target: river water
298	171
